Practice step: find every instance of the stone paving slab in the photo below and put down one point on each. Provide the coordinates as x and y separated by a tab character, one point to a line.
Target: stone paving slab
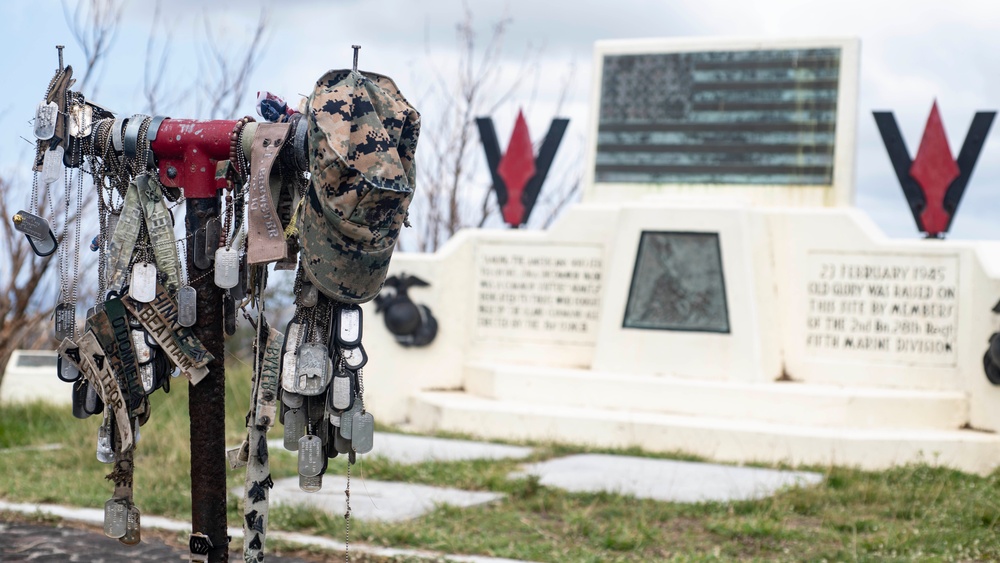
662	479
374	500
403	448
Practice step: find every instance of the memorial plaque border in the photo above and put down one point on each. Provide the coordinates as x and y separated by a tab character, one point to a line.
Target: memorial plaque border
677	328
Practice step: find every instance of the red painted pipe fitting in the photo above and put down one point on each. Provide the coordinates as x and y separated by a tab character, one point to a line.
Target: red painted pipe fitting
187	151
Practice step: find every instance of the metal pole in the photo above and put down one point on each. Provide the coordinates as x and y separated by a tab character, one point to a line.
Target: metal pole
207	400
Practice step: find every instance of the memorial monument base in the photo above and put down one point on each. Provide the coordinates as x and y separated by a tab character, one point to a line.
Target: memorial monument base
732	332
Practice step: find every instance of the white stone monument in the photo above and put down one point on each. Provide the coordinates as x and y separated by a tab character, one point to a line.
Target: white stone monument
715	293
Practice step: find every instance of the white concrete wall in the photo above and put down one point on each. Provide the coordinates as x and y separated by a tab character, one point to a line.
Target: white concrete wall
769	255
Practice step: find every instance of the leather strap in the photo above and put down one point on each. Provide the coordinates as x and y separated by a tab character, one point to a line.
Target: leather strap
266	241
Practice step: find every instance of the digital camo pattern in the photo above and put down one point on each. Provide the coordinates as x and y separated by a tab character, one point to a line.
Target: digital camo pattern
362	140
678	284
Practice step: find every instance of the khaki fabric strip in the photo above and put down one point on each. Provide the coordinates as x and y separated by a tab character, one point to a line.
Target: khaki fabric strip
97	370
266	242
124	239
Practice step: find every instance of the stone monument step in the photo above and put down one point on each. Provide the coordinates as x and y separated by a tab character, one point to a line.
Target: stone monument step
739	440
778	402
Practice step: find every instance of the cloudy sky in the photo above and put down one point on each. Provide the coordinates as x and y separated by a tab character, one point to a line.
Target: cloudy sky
911	53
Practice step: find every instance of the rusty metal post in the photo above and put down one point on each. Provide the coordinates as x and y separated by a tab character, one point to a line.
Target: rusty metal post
207	400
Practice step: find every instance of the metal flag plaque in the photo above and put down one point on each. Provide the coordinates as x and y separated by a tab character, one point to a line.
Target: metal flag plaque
933	181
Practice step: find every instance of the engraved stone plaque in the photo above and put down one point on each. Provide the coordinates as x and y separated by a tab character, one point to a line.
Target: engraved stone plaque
678	284
539	294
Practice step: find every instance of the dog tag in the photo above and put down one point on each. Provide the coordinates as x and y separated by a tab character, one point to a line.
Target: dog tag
45	120
312	370
292	400
238	457
187	306
199	255
65	321
311	484
309	296
295	428
355	358
341	392
349	326
340	444
143	353
104	452
132	535
66	371
80	398
81	119
32	225
288	359
142	288
52	165
36	229
92	404
347	420
363	432
227	268
148	377
310	455
213	232
115	518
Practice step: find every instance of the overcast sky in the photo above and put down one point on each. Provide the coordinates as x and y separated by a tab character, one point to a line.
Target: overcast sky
911	53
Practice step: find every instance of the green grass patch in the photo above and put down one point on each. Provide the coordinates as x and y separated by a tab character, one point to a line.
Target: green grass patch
916	512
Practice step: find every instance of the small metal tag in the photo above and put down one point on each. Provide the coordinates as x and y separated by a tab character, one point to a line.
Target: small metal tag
309	296
292	400
81	120
355	358
295	428
115	518
213	230
45	120
132	533
289	359
347	420
32	225
363	432
104	452
311	484
187	306
148	377
310	455
66	371
65	321
340	444
143	353
238	457
80	398
142	288
92	404
349	326
312	370
52	165
341	391
227	268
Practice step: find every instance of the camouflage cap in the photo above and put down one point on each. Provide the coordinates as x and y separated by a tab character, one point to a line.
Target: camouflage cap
362	141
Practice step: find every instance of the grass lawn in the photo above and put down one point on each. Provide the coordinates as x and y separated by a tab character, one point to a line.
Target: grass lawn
916	512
